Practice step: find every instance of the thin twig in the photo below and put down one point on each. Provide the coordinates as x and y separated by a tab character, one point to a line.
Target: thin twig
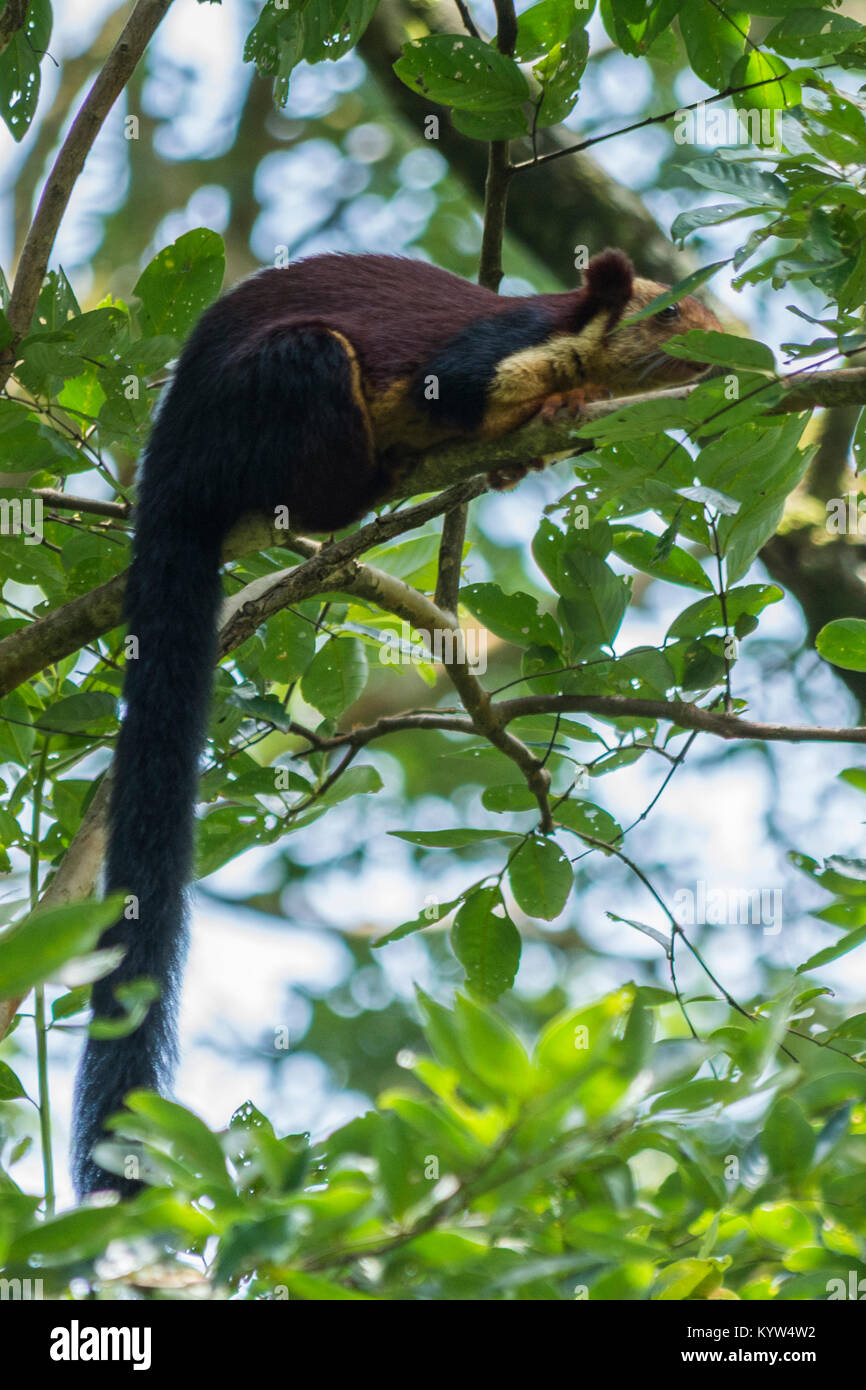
110	82
685	716
93	506
653	120
468	22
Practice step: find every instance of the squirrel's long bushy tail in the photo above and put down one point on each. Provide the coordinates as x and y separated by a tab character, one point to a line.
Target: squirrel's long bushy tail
243	428
172	601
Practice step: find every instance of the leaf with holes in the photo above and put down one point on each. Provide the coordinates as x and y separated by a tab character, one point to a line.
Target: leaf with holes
336	676
486	943
540	877
180	282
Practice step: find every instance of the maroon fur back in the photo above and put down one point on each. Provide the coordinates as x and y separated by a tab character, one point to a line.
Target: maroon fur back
394	310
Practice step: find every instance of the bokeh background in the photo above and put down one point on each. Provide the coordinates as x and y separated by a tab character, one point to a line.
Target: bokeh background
282	937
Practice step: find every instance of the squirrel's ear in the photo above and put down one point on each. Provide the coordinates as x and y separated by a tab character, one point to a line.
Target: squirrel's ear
608	281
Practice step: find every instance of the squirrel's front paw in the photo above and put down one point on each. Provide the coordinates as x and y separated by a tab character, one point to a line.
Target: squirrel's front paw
563	402
510	474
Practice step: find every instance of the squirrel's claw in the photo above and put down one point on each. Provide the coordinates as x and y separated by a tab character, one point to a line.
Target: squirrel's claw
563	402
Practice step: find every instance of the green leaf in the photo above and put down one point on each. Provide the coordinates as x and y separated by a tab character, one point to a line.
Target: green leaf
687	222
135	999
88	711
190	1137
779	88
706	615
20	76
850	868
783	1224
540	878
451	839
714	41
680	290
640	549
743	181
594	599
24	444
76	1235
560	73
645	929
512	796
543	26
632	28
35	949
431	914
276	45
333	27
585	818
492	1050
313	1288
509	124
643	671
788	1139
812	33
638	1038
16	726
690	1278
577	1040
290	645
70	1004
723	350
487	944
180	282
513	617
831	953
436	1129
288	31
336	676
855	777
461	71
843	643
267	709
10	1084
355	781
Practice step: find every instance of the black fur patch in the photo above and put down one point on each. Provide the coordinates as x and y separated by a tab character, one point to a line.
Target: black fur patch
311	448
271	422
466	365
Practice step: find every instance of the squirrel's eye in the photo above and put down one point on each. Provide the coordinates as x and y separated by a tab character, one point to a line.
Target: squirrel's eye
669	314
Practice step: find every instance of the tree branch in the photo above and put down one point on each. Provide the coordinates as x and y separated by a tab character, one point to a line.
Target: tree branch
537	438
394	596
28	650
490	276
685	716
454	467
451	559
90	506
110	82
597	210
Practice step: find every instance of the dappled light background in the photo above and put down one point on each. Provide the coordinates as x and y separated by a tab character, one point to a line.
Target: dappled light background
285	1001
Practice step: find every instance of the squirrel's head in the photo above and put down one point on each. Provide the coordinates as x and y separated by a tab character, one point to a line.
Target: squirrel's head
627	357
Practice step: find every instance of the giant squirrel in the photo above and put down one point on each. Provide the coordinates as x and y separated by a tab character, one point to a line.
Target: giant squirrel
301	388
